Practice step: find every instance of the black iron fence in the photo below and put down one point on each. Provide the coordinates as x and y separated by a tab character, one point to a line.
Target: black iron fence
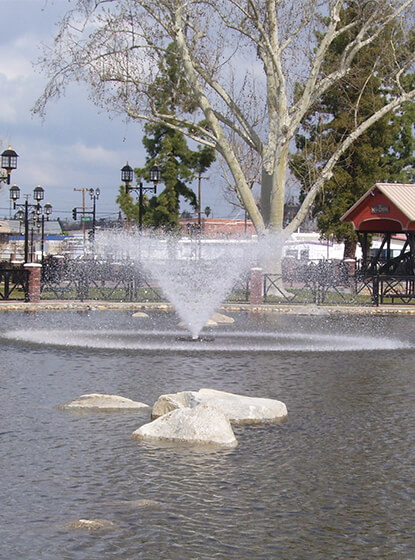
319	282
13	282
82	279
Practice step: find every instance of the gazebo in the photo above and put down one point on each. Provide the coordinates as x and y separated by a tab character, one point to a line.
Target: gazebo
387	210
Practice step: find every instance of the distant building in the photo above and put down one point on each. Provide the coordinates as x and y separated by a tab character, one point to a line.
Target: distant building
218	227
12	239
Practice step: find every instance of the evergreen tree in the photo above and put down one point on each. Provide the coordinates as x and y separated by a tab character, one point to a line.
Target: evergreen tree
179	166
129	208
385	152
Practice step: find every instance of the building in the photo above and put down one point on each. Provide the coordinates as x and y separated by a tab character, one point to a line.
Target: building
386	210
12	240
218	227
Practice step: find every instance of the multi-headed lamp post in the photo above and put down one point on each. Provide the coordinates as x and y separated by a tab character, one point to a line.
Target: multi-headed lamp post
8	163
127	176
37	215
94	194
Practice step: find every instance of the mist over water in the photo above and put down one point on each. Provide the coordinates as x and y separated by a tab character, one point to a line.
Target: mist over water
195	274
224	340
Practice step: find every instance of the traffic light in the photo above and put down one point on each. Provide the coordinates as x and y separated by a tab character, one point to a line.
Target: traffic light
74	214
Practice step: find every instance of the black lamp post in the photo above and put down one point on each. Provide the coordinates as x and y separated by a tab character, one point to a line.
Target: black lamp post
94	194
127	175
37	215
8	162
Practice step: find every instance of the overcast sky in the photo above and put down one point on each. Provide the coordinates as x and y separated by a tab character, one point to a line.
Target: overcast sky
75	146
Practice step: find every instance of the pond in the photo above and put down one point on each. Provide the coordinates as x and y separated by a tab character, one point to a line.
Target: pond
333	481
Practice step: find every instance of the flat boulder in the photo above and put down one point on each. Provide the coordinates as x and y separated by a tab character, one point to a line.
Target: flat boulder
239	409
102	402
200	425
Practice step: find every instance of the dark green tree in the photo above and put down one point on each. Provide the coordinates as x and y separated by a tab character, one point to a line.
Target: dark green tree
168	147
179	166
385	152
129	208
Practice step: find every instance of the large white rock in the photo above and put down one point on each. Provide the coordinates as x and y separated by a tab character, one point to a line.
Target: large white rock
239	409
98	401
199	425
172	401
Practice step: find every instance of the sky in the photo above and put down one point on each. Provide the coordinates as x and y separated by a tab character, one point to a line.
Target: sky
76	146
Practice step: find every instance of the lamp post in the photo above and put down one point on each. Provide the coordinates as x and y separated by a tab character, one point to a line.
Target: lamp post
127	175
37	215
94	194
8	163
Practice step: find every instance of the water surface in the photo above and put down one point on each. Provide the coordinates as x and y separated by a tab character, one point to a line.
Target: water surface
334	481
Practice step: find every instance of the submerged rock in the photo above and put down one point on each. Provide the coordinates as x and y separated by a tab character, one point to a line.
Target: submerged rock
102	402
91	524
199	425
143	503
222	319
210	323
239	409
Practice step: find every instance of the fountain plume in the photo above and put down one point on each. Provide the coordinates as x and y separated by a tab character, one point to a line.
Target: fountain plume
195	275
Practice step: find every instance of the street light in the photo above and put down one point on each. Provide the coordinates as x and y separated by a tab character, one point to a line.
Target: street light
94	194
38	193
127	175
8	163
37	215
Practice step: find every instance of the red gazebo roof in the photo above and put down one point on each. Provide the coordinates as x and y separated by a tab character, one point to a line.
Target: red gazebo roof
385	207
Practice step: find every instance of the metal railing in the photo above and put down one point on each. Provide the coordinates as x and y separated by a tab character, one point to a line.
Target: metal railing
317	282
100	280
13	282
320	282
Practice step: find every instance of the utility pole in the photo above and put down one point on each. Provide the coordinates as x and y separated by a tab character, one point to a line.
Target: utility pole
83	191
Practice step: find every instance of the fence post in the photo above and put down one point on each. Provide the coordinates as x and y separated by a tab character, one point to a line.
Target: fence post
375	290
34	281
256	293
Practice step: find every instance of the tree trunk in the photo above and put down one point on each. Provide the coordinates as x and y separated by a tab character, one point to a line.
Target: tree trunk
349	248
271	249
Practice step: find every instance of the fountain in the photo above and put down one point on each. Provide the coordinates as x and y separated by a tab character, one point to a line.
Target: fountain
195	274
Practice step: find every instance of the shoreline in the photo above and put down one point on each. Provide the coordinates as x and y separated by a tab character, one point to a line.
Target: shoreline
296	309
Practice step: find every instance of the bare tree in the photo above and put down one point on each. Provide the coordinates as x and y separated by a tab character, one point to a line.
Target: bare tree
233	53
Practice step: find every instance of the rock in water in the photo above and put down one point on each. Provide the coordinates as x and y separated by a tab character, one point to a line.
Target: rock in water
102	402
222	319
199	425
91	525
239	409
